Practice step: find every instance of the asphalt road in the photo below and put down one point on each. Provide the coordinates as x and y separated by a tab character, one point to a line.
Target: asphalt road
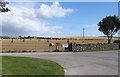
80	63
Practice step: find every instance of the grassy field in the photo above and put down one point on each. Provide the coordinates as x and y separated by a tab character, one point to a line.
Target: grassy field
0	65
42	45
29	66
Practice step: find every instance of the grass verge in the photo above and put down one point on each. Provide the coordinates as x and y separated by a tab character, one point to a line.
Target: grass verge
0	65
99	50
29	66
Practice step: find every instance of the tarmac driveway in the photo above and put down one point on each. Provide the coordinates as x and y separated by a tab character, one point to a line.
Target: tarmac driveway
80	63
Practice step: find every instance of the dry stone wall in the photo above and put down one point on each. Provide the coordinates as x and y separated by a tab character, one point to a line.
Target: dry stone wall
82	47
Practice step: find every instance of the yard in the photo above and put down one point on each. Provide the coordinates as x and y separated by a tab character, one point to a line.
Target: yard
29	66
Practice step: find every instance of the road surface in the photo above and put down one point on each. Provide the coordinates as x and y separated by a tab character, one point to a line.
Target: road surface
80	63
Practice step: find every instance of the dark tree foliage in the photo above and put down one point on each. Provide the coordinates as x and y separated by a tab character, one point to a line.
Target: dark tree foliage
3	7
109	26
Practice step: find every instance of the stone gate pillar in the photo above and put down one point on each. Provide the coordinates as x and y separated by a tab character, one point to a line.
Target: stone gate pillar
70	47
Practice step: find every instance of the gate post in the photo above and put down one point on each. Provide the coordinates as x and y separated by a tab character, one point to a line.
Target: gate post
70	46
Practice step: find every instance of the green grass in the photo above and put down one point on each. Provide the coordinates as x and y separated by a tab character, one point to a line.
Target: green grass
0	65
29	66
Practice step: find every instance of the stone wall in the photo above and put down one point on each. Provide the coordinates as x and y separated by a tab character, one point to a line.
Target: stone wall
81	47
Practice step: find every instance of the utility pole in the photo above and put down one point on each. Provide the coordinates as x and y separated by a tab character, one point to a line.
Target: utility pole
83	35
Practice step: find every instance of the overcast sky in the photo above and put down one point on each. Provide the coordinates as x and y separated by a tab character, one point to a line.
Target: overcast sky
55	18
